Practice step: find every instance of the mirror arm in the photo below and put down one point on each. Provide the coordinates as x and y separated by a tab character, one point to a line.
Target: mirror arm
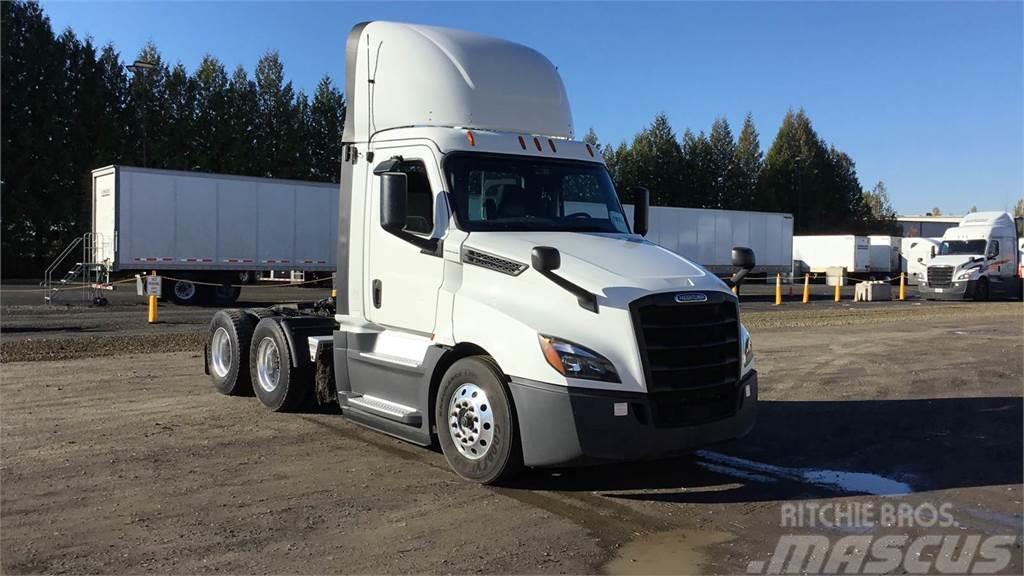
430	246
587	300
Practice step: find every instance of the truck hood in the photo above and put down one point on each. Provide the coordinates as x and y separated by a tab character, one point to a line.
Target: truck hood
599	261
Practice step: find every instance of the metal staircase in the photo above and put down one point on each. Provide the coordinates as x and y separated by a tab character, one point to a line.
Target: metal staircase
90	276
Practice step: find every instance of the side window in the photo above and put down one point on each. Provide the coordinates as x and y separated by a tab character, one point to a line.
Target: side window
993	248
420	218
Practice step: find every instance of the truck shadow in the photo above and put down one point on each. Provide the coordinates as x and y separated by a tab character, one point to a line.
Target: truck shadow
928	444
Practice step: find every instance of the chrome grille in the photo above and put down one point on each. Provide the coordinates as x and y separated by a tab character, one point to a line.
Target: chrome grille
691	356
940	276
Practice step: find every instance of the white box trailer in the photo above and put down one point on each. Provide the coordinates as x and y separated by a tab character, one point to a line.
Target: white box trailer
884	254
708	236
816	254
202	227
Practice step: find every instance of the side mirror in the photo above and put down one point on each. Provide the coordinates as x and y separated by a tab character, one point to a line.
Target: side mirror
546	259
743	258
641	210
393	201
933	252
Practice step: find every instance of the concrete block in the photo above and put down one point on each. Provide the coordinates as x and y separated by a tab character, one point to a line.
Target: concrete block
877	291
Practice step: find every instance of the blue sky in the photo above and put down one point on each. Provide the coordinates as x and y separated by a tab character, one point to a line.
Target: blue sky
927	97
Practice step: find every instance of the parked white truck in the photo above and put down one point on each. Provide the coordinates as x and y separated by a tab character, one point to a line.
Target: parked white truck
207	228
977	259
472	306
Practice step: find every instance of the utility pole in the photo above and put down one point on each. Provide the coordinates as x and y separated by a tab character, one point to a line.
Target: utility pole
137	69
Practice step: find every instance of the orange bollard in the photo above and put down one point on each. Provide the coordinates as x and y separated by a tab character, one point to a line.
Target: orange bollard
807	288
837	290
778	289
154	314
903	291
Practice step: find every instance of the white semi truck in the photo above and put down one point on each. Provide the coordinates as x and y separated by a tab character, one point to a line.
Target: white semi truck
477	304
204	229
978	259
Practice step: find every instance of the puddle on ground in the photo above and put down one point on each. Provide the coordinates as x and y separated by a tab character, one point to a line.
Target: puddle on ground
673	552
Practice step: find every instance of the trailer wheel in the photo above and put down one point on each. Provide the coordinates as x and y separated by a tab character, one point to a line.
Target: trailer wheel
227	351
279	386
226	294
475	421
185	292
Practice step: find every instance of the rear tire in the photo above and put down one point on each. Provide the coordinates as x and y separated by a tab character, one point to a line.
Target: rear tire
227	351
476	424
279	386
226	294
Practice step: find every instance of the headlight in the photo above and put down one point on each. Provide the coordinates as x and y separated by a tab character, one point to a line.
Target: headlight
748	351
966	273
575	361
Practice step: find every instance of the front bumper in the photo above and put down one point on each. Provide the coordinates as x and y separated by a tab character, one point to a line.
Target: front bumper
567	426
952	291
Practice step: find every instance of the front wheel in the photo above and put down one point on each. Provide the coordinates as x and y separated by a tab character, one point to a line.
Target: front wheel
475	422
981	289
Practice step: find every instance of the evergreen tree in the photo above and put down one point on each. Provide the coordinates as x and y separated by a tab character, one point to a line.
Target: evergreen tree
698	182
244	149
1018	209
656	161
591	138
211	138
179	152
326	122
722	167
747	163
276	119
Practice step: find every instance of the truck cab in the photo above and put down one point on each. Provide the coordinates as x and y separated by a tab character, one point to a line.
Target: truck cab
491	295
977	259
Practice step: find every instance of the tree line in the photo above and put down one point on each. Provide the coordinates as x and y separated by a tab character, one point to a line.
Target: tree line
800	174
69	107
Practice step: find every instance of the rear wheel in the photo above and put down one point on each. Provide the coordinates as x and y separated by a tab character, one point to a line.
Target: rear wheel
226	294
279	385
475	422
227	351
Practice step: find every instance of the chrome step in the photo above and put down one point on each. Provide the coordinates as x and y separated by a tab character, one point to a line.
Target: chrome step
386	409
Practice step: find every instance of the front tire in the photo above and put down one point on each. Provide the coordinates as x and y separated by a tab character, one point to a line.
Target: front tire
981	289
277	383
227	351
476	425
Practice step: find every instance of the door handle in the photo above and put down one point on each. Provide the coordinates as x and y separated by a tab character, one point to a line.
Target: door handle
377	289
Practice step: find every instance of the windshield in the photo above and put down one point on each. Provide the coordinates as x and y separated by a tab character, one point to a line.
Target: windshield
518	193
972	247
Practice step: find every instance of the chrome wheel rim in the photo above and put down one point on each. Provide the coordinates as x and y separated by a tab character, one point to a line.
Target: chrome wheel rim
220	352
471	421
268	364
184	290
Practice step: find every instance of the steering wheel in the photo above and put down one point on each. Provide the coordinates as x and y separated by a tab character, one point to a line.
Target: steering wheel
579	215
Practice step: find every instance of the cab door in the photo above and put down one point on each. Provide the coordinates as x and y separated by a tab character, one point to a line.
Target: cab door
403	281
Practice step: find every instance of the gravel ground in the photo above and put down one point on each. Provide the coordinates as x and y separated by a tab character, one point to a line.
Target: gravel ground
133	464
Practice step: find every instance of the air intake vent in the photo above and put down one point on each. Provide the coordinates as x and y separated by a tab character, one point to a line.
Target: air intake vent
492	262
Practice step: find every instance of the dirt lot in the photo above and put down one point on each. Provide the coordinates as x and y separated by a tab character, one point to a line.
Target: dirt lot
130	463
